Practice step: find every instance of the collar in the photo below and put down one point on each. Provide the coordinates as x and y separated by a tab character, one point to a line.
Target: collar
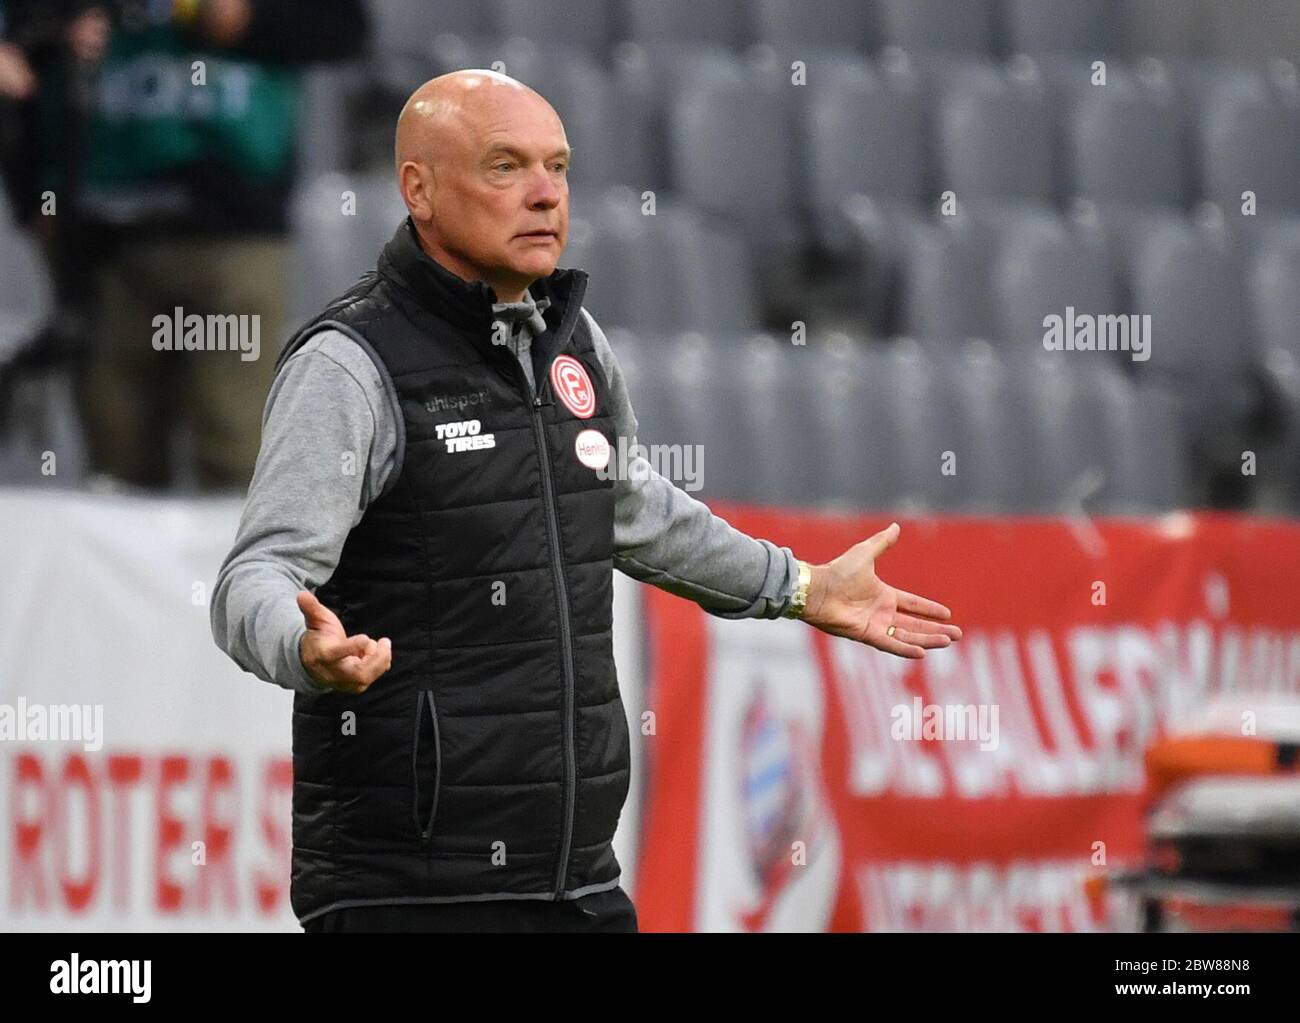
470	303
525	315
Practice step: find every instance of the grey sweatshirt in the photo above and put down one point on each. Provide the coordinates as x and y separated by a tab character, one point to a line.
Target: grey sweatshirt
328	412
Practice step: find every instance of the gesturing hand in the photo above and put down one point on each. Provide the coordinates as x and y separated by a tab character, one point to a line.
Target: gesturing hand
332	657
847	598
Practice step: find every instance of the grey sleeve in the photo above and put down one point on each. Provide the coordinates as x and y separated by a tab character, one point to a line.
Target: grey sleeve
329	443
664	536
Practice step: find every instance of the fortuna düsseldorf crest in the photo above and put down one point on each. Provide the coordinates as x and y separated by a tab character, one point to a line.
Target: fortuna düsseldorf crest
571	383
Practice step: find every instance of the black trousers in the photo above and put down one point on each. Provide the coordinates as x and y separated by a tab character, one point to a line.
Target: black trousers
602	912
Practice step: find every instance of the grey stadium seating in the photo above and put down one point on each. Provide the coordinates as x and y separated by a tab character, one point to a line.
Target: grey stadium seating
938	25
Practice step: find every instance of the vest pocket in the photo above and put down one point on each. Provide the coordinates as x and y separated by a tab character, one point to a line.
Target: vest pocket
426	766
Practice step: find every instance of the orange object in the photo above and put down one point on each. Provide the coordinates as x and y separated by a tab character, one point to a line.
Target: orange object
1202	917
1173	760
1094	890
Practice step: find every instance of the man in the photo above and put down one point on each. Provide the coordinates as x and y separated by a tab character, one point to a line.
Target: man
461	754
174	193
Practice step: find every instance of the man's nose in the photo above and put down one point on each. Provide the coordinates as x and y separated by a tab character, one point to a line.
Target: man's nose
545	193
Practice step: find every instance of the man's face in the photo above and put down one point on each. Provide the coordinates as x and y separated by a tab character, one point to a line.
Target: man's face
500	196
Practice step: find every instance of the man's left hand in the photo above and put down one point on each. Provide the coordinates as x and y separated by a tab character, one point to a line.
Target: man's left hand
847	598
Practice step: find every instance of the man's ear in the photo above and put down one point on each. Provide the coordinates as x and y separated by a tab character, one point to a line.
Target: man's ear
416	183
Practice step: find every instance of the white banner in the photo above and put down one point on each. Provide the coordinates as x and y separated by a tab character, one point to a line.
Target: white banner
145	780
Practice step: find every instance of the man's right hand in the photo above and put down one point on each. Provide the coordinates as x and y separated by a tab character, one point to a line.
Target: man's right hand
335	659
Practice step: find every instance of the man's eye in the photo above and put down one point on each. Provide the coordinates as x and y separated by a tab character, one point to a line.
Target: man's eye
499	166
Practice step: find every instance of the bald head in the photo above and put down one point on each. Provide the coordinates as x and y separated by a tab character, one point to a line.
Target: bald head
482	161
444	110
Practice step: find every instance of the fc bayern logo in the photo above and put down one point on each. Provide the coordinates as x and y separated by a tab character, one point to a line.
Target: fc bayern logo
571	383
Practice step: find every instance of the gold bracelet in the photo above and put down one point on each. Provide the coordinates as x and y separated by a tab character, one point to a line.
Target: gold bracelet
799	602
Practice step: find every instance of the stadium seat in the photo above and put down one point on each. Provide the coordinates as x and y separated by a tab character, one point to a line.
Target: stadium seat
1098	444
325	134
732	147
714	285
1250	141
677	270
806	426
684	396
845	420
1079	453
972	410
865	137
940	25
1161	473
331	248
878	233
719	22
26	290
1054	27
1189	279
1128	145
1068	79
516	55
1045	477
946	268
586	24
407	28
41	414
995	137
1251	235
765	382
946	293
1128	437
920	425
1274	280
649	378
779	424
1044	266
1196	79
648	78
403	34
795	27
688	391
1124	231
608	239
597	229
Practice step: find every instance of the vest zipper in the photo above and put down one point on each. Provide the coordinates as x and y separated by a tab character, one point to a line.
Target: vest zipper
425	829
566	642
437	767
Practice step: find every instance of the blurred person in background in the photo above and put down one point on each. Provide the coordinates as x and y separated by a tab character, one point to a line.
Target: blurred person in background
17	87
166	132
17	80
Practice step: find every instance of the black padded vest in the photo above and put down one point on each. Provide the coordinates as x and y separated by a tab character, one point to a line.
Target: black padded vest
492	759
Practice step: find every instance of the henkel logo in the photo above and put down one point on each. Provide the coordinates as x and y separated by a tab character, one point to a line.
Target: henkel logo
592	449
573	386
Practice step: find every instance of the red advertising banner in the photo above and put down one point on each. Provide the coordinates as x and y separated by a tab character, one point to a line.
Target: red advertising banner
796	781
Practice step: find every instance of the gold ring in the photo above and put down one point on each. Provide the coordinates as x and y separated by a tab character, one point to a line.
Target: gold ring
890	631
